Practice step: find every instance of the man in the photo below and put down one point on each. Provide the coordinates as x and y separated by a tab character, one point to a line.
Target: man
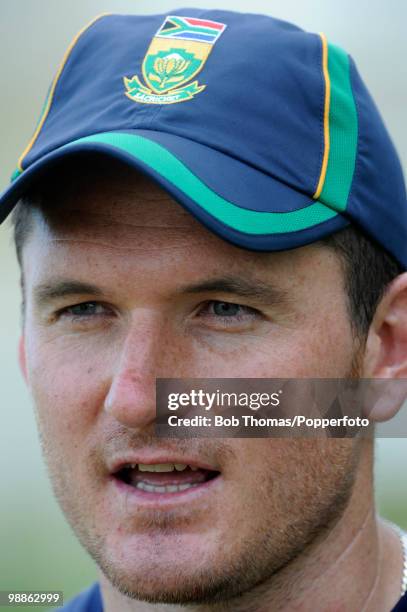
286	259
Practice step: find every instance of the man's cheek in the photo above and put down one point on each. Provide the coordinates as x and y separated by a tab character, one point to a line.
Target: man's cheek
68	392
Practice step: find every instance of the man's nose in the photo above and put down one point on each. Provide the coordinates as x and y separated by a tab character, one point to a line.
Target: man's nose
131	394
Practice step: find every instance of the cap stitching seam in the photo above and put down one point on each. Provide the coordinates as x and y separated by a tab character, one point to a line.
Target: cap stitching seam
321	114
357	158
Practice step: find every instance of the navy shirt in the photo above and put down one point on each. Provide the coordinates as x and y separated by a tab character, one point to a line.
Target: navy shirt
91	601
402	605
87	601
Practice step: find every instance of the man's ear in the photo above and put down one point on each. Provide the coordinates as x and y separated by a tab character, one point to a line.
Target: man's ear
386	351
21	357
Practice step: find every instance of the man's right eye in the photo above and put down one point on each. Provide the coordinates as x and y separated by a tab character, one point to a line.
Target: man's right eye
83	310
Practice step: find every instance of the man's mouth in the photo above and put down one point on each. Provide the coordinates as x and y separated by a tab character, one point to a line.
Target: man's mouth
164	478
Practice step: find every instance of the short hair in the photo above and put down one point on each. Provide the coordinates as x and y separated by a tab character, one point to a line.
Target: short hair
368	270
367	267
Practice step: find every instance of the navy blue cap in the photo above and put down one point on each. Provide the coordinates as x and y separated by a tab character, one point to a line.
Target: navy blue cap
264	132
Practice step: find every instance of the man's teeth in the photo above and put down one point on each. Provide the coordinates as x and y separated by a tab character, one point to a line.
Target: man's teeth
162	467
163	489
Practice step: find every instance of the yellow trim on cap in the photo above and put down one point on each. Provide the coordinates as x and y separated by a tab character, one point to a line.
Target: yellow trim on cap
52	90
326	116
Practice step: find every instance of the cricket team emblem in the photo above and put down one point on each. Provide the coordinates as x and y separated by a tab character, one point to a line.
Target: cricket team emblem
176	54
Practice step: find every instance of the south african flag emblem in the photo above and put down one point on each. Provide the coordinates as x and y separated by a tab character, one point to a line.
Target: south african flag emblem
187	28
176	54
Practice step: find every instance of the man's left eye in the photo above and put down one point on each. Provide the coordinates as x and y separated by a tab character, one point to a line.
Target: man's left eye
228	310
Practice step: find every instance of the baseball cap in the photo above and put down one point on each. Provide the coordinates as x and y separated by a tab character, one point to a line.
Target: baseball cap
263	132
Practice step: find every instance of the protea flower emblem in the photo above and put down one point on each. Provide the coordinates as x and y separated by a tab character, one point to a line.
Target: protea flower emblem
169	69
177	53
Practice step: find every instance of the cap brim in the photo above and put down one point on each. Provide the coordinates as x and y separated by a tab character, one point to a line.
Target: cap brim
236	201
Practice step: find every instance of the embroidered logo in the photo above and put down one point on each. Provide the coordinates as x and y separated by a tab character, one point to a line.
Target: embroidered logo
176	54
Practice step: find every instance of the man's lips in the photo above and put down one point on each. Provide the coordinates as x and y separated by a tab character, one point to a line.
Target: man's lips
163	476
132	459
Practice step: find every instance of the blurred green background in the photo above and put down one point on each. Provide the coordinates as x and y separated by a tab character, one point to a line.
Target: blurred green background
38	551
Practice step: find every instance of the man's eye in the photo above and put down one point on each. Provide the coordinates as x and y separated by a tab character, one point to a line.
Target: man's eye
225	309
228	310
83	310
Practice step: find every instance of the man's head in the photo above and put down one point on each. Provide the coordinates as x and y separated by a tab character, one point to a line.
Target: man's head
115	296
248	234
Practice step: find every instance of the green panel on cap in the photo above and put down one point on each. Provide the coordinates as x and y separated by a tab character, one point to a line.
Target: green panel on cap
343	130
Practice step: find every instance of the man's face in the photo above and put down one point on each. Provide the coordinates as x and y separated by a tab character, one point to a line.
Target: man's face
123	286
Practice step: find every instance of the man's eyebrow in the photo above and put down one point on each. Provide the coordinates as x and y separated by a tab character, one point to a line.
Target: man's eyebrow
253	289
53	290
256	290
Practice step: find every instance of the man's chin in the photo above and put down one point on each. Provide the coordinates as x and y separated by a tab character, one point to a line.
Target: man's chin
172	587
